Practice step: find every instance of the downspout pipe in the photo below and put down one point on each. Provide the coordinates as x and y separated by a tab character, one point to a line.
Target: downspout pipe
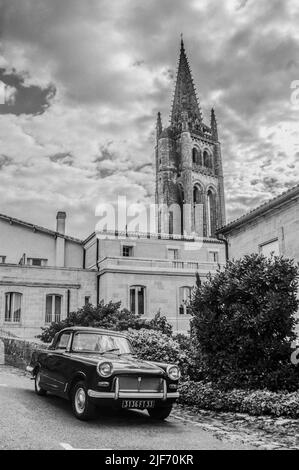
224	239
98	277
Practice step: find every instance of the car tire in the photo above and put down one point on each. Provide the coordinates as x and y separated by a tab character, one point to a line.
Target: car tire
38	389
160	413
81	405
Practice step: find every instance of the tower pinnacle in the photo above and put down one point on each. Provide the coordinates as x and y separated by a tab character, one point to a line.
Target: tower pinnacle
214	129
185	99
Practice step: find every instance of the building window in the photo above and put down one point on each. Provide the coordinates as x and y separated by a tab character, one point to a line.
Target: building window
37	261
270	247
13	302
127	250
2	259
214	256
87	300
53	308
173	253
185	296
137	300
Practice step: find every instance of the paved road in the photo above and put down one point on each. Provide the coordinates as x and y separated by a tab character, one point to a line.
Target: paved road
28	421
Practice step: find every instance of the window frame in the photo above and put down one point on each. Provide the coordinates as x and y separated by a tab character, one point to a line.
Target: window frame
135	287
53	310
270	242
11	319
130	247
43	262
214	252
183	306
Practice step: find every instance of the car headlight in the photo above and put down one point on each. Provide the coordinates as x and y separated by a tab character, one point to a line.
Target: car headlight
105	369
173	372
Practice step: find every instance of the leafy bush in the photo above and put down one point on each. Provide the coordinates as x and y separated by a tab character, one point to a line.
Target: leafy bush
243	321
106	316
260	402
158	347
188	345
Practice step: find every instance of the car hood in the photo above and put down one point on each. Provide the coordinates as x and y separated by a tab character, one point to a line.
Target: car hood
128	364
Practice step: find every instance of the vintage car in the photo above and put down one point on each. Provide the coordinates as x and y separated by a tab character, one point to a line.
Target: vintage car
96	367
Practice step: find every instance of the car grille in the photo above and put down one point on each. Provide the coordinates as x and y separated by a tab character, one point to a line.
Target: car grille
140	384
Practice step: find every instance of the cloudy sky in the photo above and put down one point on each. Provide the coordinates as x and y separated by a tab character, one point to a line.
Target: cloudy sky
85	79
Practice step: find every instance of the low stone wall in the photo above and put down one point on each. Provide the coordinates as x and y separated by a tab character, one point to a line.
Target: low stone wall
17	352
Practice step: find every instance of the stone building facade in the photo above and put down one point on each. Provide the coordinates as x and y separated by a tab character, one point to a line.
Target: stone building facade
271	227
45	274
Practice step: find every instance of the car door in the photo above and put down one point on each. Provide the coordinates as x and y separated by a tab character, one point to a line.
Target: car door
55	364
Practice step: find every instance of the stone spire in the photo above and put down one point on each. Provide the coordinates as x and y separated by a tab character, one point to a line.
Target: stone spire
185	99
214	125
159	124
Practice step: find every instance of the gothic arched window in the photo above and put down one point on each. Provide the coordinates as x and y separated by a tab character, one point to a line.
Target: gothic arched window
181	203
194	155
211	213
207	160
197	210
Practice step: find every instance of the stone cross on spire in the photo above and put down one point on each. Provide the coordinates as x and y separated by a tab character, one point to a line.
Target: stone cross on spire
185	99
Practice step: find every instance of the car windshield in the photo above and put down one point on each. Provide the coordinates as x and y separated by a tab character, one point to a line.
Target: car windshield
101	343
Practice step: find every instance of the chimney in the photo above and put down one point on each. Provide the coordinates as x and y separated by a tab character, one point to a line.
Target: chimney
60	227
60	241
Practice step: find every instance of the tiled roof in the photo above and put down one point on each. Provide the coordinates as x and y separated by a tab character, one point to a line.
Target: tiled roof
262	209
37	228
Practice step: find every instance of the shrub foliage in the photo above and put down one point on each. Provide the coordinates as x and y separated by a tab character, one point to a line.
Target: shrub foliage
243	321
108	316
158	347
206	396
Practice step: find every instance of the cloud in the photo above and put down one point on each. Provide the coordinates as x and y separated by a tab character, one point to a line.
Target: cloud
89	78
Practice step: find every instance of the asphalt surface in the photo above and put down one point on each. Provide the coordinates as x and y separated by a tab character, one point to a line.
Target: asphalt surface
28	421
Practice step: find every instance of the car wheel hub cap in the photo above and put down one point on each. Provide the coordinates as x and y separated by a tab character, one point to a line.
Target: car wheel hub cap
80	399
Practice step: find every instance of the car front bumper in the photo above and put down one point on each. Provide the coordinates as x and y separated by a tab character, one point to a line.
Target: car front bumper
135	394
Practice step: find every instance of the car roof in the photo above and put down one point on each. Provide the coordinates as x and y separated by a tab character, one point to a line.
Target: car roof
89	329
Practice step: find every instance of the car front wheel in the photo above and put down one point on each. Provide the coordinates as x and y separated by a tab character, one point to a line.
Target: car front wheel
82	407
160	413
38	389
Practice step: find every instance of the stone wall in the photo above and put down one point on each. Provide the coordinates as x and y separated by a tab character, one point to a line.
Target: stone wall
17	352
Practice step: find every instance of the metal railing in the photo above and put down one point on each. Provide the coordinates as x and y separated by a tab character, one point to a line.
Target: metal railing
156	263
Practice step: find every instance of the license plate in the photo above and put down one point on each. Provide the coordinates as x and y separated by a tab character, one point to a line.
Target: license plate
138	404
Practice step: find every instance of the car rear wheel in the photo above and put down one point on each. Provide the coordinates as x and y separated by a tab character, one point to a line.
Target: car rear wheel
160	413
82	407
38	389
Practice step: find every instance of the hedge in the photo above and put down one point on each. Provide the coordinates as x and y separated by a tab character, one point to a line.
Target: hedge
206	396
18	352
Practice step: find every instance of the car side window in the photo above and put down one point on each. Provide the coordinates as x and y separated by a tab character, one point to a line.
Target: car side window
63	341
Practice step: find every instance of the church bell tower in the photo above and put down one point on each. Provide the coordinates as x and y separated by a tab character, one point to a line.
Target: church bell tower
189	175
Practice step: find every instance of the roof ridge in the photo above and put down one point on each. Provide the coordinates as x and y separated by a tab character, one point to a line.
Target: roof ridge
266	203
39	228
